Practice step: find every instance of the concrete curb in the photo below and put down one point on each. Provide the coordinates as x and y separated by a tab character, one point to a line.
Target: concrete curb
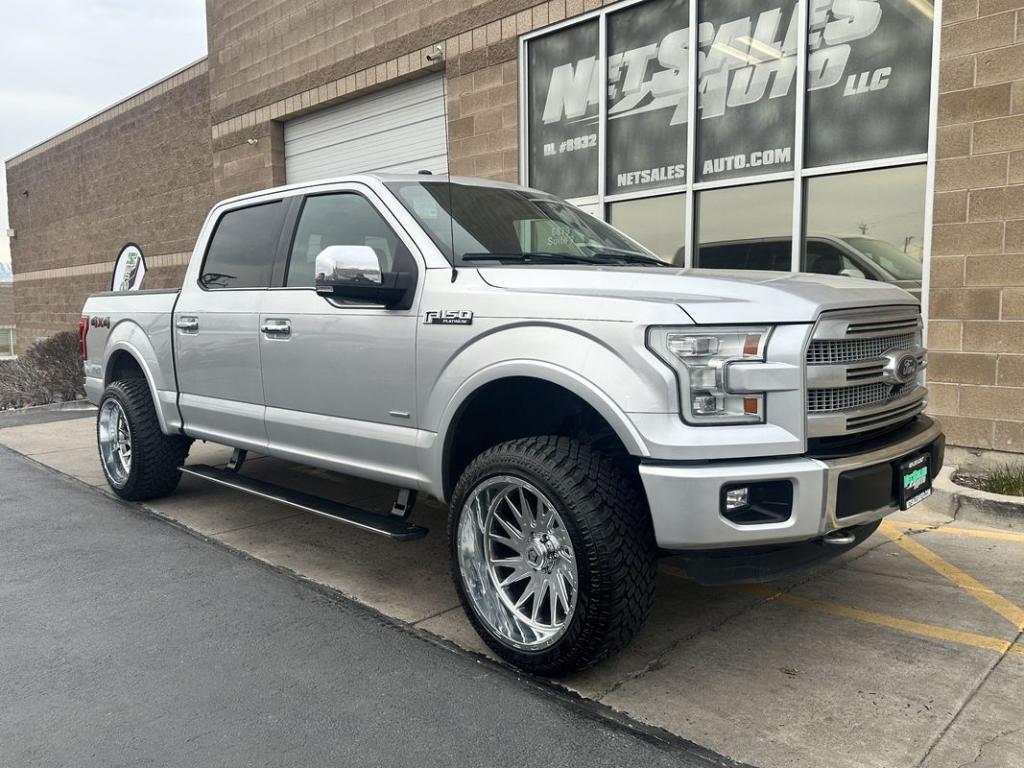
67	405
962	503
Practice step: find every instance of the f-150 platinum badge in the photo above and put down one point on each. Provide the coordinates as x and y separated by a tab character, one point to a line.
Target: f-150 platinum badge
449	317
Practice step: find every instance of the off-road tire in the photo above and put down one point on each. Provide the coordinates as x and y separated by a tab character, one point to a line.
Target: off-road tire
605	511
155	456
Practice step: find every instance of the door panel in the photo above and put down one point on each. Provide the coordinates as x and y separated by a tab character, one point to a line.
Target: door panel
219	366
217	330
340	385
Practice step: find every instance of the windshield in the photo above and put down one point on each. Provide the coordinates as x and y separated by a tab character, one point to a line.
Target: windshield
498	225
888	257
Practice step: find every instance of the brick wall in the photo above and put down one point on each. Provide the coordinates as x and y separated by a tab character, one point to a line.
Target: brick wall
139	172
6	304
272	61
976	301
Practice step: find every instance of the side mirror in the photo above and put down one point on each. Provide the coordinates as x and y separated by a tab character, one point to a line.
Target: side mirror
354	272
852	272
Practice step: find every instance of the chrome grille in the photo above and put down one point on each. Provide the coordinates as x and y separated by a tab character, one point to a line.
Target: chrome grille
859	396
852	386
831	352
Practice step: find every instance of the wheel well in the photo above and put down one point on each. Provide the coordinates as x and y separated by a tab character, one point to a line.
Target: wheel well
520	407
123	366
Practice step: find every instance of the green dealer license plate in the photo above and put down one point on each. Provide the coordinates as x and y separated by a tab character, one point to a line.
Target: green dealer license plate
915	484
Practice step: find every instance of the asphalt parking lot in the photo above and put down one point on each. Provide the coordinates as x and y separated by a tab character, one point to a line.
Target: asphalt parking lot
905	652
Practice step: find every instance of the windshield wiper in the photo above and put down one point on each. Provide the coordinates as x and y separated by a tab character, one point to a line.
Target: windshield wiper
530	256
629	257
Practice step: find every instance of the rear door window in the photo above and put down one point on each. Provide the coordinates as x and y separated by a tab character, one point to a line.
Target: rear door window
242	250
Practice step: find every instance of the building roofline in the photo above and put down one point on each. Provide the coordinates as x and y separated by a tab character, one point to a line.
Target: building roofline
83	124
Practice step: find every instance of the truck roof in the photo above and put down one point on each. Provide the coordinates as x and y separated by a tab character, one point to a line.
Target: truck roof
372	179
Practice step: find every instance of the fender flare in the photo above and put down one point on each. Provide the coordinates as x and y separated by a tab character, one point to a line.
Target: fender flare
542	370
128	341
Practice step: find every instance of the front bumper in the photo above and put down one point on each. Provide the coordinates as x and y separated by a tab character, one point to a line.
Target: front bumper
685	499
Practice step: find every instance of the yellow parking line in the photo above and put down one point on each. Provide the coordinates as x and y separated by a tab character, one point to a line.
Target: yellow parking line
957	531
972	639
965	581
903	625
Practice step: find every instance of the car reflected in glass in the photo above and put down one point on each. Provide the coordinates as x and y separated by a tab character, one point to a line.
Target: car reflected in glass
851	256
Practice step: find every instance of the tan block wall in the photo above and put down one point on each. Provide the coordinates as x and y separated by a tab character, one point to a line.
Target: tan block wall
271	61
976	300
140	172
6	304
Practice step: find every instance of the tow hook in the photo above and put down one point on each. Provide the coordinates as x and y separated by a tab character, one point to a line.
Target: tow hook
838	538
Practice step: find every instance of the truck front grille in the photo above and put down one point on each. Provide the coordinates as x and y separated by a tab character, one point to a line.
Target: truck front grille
845	398
856	350
851	382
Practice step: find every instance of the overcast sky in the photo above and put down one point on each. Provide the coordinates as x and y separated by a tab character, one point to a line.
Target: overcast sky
63	60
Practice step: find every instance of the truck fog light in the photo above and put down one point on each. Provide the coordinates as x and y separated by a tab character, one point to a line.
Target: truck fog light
757	502
736	498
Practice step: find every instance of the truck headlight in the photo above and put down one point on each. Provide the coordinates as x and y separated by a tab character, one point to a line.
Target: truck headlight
701	357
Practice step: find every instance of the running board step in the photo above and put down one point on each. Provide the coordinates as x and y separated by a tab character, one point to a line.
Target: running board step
392	526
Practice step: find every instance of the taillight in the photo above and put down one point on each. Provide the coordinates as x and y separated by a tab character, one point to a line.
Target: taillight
83	333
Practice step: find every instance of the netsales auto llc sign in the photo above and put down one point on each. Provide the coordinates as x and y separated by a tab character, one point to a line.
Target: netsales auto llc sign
857	50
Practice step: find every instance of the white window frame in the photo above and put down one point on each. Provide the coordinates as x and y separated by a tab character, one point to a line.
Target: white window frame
8	331
798	175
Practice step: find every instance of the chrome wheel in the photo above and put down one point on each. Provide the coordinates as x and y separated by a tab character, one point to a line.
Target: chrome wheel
115	437
517	563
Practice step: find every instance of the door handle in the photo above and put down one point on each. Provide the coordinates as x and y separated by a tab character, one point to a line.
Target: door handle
187	324
276	327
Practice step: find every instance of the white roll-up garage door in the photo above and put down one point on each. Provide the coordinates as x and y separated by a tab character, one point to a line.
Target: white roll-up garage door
399	130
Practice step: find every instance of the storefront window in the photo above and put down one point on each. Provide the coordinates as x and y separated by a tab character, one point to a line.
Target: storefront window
647	96
746	62
868	224
746	227
659	223
564	89
781	90
868	79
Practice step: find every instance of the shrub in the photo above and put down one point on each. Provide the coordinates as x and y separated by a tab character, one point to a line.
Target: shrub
49	372
1007	480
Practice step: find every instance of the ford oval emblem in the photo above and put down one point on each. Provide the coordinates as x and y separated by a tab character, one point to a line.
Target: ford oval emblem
900	366
906	367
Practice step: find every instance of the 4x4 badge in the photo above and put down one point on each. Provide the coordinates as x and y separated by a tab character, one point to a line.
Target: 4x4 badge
449	317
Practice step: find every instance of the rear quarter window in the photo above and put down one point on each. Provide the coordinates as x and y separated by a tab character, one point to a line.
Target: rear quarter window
243	247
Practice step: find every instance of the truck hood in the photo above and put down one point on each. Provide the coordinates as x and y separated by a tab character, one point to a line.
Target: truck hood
709	296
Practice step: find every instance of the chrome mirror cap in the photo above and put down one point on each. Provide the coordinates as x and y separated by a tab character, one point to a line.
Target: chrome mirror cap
347	265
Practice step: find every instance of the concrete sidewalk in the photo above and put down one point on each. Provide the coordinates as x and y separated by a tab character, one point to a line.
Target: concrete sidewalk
883	657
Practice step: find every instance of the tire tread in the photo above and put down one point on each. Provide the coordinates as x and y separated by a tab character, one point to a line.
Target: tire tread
607	506
156	457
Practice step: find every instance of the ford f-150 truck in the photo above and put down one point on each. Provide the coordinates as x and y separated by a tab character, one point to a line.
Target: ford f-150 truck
581	406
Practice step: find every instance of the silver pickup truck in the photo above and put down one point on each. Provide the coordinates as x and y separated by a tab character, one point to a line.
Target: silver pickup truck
581	406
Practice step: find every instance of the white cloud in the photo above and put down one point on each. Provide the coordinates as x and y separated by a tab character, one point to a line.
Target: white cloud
63	60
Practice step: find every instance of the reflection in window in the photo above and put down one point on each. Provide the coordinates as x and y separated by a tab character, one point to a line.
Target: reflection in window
868	80
869	223
746	227
747	87
659	223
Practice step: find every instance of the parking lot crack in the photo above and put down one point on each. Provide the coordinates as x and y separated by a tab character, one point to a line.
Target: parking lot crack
981	747
966	701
